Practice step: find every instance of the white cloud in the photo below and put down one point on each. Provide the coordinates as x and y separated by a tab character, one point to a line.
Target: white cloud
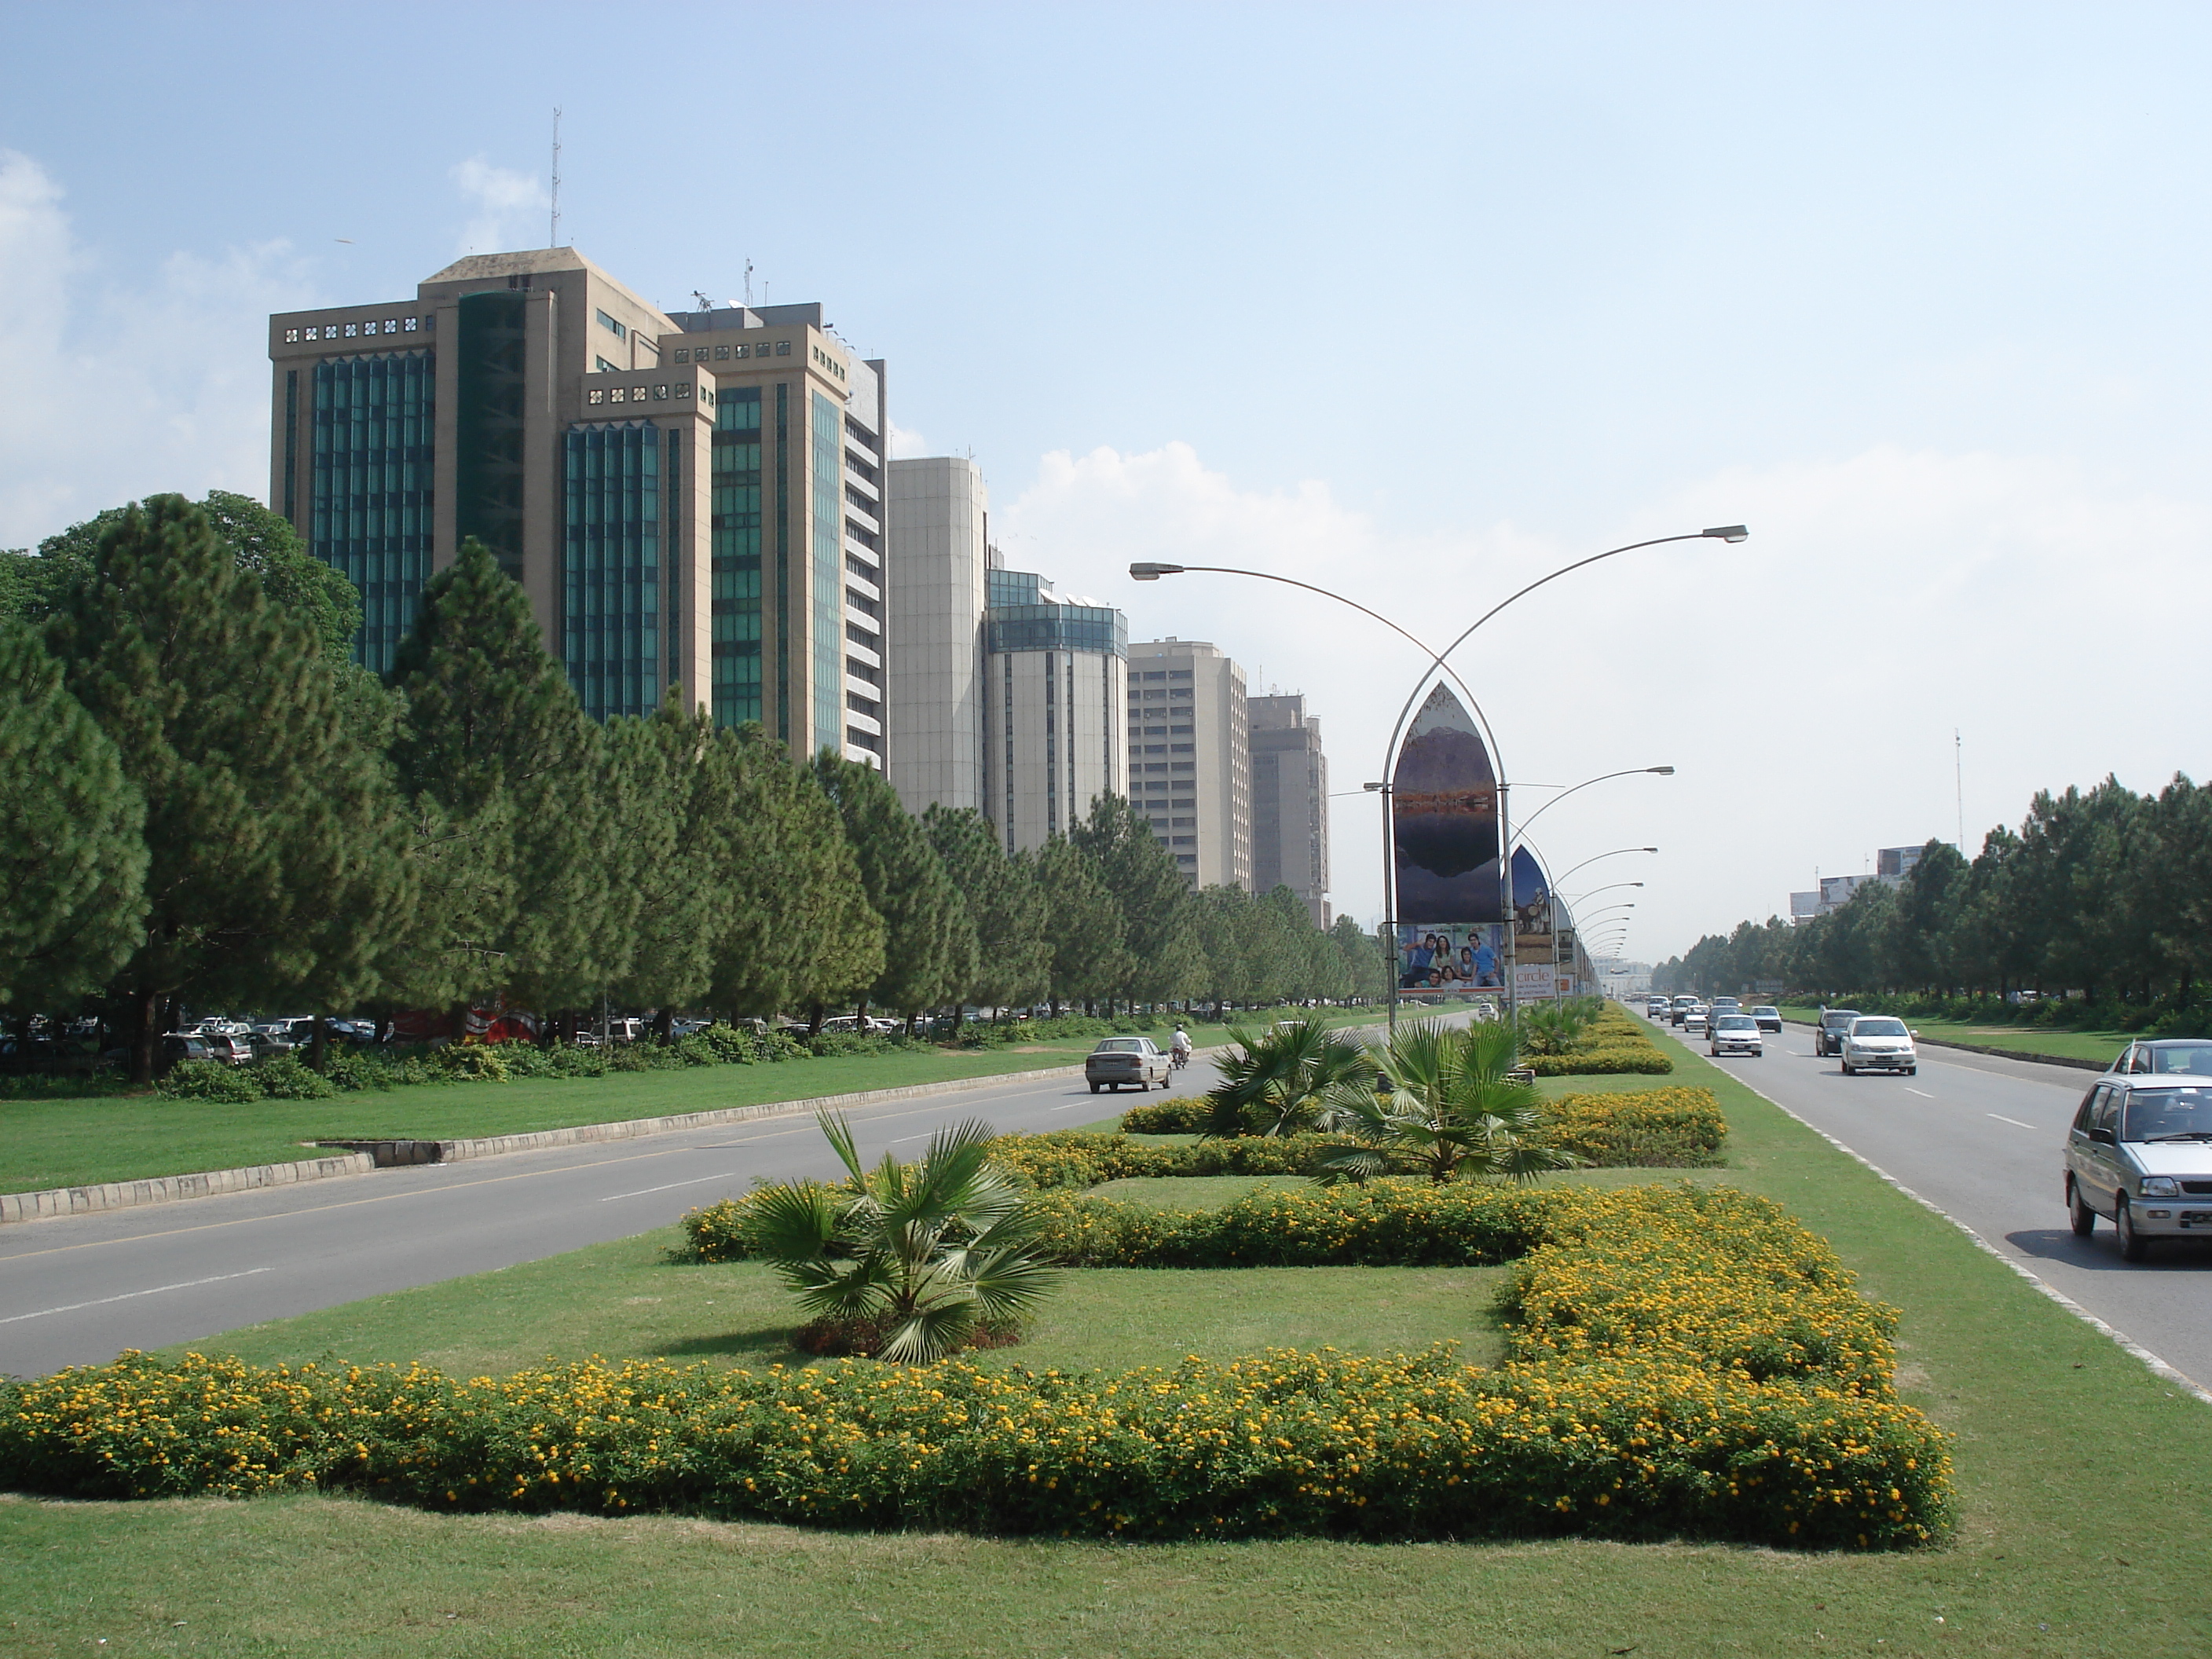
505	205
1806	683
907	443
118	393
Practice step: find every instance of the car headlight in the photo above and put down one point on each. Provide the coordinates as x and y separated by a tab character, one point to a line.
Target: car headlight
2161	1186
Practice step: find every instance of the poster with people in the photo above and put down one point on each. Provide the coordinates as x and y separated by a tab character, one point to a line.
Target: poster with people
1450	957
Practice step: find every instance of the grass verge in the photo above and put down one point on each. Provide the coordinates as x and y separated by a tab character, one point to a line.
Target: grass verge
69	1143
2067	1541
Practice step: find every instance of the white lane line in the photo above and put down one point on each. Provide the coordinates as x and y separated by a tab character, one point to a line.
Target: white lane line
2015	1121
726	1175
1922	1093
189	1284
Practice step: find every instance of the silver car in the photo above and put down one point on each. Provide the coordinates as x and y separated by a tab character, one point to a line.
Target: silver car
1879	1043
1736	1033
1123	1060
2140	1152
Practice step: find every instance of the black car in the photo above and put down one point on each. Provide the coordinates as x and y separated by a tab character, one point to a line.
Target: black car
1835	1025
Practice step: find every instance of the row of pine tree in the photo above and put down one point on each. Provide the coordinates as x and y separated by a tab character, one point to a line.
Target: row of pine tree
202	801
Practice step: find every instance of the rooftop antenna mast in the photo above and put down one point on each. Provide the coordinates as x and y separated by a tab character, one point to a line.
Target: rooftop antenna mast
553	239
748	282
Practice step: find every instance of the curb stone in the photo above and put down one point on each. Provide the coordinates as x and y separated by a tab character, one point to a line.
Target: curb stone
366	1157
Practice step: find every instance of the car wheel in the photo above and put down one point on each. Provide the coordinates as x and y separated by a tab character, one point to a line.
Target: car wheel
1846	1065
2134	1247
1912	1071
2079	1216
1094	1088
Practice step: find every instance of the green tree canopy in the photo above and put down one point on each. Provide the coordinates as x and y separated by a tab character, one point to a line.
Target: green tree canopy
1160	956
1014	961
929	936
72	835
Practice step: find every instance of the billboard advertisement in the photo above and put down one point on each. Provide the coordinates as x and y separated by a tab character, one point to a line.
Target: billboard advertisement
1535	981
1450	957
1534	919
1443	811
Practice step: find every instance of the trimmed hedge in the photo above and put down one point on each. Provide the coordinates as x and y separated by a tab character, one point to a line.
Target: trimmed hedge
1686	1363
1185	1115
1676	1129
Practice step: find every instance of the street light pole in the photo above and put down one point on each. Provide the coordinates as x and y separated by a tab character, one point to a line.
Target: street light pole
1616	853
1148	571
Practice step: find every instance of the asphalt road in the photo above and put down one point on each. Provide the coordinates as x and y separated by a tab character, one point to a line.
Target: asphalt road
1982	1138
78	1289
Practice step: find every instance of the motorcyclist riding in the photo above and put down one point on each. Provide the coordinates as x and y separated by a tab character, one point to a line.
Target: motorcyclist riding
1179	1048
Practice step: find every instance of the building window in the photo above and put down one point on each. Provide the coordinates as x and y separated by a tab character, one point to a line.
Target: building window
612	609
1178	748
660	393
369	508
618	396
291	336
409	325
683	390
683	355
783	348
1186	841
612	326
721	351
1179	673
601	366
596	395
1155	673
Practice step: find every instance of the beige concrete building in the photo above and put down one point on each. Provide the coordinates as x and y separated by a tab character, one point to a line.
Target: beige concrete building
1189	758
689	499
937	553
1289	802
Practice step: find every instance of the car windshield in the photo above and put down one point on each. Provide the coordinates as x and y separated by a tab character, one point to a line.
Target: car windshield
1738	1023
1878	1028
2193	1059
2168	1114
1838	1016
1119	1046
1766	1008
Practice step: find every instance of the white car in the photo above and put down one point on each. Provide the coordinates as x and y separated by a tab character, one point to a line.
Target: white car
1879	1043
1736	1033
1693	1024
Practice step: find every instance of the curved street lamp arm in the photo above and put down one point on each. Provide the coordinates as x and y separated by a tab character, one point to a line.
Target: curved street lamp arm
1632	772
1616	853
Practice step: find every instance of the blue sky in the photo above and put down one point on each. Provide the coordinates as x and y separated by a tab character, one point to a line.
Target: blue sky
1414	302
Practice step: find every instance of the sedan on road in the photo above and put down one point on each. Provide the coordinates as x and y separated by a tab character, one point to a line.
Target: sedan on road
1876	1042
1119	1061
2171	1056
1828	1036
1736	1033
1768	1017
2140	1152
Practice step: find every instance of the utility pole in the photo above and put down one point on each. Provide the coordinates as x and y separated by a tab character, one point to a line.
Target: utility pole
1958	780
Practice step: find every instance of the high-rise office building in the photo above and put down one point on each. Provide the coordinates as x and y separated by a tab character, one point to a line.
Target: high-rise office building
1289	802
1055	669
689	499
936	557
1190	757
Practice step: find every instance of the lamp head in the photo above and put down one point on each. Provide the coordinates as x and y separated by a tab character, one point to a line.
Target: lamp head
1371	787
1663	771
1146	571
1727	533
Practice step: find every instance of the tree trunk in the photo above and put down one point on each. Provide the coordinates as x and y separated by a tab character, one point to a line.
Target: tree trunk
146	1041
814	1022
319	1044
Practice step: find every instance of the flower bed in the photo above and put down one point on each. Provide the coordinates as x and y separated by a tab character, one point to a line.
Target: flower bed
1674	1128
1686	1363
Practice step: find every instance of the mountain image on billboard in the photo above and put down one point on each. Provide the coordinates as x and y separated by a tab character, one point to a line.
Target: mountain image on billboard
1443	805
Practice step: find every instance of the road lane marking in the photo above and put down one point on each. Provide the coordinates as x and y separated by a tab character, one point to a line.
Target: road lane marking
420	1192
101	1302
2015	1121
726	1175
1922	1093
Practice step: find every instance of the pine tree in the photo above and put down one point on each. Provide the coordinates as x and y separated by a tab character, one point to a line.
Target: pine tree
497	740
1084	921
1013	961
267	820
666	800
929	936
72	835
1159	943
798	931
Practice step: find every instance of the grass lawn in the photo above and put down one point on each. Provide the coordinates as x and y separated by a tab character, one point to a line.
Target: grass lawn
68	1143
623	1300
2029	1041
2071	1540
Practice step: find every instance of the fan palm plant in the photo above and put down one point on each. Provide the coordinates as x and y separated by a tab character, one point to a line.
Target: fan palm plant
1296	1075
1449	1109
923	1253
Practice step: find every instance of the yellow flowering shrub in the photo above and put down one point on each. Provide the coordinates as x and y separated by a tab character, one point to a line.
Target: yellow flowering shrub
1676	1129
1684	1362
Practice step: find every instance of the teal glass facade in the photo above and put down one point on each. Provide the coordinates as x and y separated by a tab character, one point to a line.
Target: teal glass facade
488	424
612	572
734	487
369	494
827	450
